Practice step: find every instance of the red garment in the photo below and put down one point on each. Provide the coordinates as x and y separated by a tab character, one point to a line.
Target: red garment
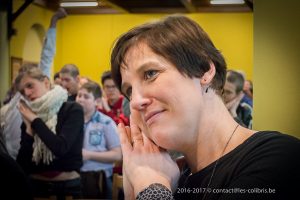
116	112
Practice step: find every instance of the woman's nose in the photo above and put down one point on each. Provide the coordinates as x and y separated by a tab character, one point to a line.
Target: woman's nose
138	100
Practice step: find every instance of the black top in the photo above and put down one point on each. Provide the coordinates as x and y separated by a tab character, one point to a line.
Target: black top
265	166
72	97
66	145
14	182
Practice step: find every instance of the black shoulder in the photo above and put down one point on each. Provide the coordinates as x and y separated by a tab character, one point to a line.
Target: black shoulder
70	107
278	137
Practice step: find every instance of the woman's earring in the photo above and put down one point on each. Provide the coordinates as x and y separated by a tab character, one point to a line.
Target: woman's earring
206	90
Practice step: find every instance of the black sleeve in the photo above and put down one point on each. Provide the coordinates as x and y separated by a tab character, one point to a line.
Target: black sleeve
24	156
71	128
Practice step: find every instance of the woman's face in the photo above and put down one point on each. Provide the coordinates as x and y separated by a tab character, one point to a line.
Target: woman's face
33	88
168	102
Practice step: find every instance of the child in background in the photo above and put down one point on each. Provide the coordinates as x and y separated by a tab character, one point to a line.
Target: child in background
101	146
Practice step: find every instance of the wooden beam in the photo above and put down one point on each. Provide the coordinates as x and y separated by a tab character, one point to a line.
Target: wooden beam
249	3
158	10
21	9
189	6
42	3
114	6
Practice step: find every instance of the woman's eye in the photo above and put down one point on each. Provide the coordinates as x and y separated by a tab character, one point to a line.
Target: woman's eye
29	86
149	74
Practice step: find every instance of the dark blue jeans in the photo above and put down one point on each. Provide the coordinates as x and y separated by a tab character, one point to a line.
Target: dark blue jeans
60	189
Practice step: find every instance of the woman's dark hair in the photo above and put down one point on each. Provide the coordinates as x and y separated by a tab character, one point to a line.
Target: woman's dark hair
178	39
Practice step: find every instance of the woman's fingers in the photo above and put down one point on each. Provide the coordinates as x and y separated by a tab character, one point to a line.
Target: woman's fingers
128	132
125	141
136	136
136	133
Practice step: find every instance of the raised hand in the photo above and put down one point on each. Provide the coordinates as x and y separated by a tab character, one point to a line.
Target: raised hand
144	162
59	14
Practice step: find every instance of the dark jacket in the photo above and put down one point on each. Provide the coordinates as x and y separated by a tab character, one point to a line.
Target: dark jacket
66	144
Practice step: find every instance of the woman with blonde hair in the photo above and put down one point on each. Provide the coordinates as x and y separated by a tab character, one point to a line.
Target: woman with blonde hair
52	135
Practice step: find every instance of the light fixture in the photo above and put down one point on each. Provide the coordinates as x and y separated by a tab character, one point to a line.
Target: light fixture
218	2
79	4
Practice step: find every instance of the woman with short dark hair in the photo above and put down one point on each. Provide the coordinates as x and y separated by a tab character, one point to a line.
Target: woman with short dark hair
173	75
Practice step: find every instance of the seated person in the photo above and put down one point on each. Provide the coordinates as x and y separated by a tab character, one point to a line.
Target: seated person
112	104
233	94
101	144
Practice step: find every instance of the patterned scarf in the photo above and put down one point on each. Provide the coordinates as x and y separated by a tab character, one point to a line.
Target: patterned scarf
46	107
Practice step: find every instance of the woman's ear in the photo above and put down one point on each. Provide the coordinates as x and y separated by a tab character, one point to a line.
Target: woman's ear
208	76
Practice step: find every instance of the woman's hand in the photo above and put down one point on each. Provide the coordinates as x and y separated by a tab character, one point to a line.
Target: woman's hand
26	112
27	115
144	162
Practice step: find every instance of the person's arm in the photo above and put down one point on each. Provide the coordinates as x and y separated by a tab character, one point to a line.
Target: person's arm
109	156
112	141
48	52
12	122
49	46
71	128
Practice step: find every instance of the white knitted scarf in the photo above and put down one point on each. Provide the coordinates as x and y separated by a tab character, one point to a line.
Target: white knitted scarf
46	107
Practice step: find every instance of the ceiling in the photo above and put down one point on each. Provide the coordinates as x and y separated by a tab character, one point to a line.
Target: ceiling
147	6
